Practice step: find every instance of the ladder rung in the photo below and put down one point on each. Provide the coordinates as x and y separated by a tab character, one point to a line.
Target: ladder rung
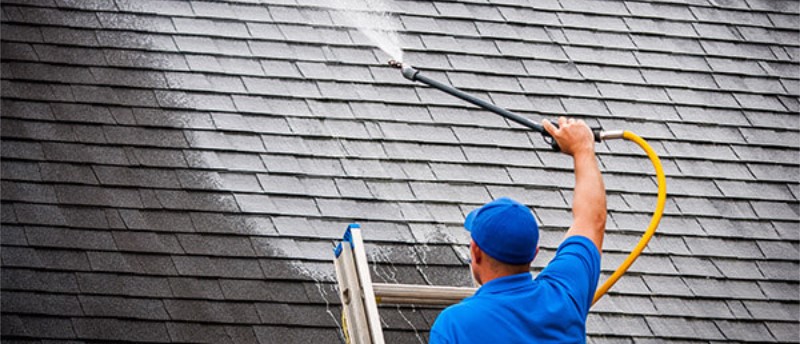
420	294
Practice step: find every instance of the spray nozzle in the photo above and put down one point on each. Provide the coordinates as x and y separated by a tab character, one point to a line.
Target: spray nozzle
408	72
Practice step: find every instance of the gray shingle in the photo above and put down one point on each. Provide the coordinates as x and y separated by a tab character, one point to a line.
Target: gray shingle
43	281
729	248
628	325
626	305
262	291
27	326
38	303
196	288
131	263
151	6
783	331
730	16
57	17
602	39
69	238
134	58
136	308
778	249
24	171
497	30
669	44
420	24
592	21
112	20
745	331
29	192
782	20
739	269
132	40
108	329
198	333
22	33
779	290
39	72
216	245
476	46
592	7
294	334
775	270
210	27
54	259
147	242
683	328
772	310
13	235
755	191
691	266
725	288
384	190
668	286
775	210
128	285
660	26
217	267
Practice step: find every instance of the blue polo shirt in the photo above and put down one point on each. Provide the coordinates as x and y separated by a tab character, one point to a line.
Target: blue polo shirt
518	309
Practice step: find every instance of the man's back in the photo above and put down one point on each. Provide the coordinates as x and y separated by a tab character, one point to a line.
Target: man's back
516	309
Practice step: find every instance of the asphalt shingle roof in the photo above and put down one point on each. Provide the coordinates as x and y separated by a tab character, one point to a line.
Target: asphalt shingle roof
178	171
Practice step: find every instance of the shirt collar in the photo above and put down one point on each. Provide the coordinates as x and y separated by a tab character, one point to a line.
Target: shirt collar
506	283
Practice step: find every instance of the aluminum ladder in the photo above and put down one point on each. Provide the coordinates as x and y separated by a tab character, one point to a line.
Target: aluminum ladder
360	297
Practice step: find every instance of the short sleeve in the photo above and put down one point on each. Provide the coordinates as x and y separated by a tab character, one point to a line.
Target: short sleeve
575	267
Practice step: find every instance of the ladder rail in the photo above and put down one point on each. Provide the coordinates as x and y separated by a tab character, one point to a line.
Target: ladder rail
371	305
350	295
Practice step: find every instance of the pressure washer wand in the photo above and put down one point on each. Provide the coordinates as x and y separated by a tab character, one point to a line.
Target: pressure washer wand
413	74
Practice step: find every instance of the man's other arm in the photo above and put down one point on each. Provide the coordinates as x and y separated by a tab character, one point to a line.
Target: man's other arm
589	197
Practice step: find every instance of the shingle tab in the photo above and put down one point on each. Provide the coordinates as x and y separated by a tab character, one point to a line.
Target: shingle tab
682	328
217	267
99	306
198	333
101	283
47	327
106	329
737	330
32	303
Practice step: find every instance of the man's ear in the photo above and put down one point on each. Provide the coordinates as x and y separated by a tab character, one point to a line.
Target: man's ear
477	254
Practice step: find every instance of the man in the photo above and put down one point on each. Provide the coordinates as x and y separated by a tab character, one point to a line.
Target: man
510	306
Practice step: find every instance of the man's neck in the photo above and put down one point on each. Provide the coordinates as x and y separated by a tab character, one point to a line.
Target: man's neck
493	275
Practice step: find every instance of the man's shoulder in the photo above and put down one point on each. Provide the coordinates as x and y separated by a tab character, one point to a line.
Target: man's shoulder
578	243
465	310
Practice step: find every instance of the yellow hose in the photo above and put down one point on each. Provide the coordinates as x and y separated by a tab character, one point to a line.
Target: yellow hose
344	327
651	229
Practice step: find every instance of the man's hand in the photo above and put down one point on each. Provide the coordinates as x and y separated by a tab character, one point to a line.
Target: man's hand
589	197
573	136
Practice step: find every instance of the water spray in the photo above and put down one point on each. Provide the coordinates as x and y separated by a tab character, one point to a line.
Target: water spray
413	74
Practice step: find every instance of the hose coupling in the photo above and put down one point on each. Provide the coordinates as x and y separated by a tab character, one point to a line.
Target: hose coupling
410	73
611	134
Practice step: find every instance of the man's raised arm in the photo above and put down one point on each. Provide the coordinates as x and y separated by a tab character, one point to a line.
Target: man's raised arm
589	198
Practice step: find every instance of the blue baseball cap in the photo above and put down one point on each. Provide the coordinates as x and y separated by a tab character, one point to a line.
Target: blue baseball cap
505	229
